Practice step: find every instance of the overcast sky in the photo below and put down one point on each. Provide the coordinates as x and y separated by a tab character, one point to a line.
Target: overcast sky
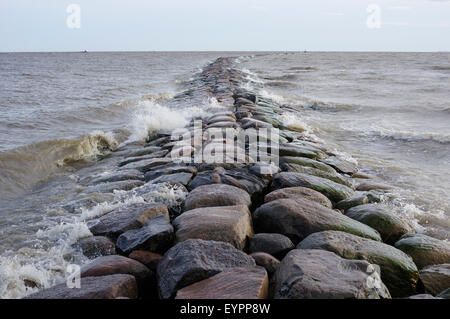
225	25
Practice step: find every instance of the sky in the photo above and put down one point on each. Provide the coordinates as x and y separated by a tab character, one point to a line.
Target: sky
224	25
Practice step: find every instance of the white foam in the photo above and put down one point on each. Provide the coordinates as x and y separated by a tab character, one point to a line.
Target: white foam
294	122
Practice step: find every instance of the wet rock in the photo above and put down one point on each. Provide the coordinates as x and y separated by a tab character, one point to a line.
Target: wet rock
104	287
299	192
361	175
334	177
425	250
245	95
340	165
252	123
435	278
113	186
115	264
87	201
356	200
168	170
243	101
156	235
390	227
298	218
320	274
267	261
292	150
276	245
216	195
135	159
238	177
398	271
125	218
231	224
147	164
147	258
177	178
96	246
332	190
368	186
308	162
235	283
194	260
142	151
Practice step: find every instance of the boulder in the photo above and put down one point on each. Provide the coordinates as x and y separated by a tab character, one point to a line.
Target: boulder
104	287
169	169
267	261
147	164
425	250
116	264
216	195
390	227
320	274
435	278
334	177
176	178
139	158
131	174
147	258
235	283
298	218
341	165
125	218
231	224
299	151
97	246
276	245
334	191
398	271
156	235
299	192
355	200
194	260
304	161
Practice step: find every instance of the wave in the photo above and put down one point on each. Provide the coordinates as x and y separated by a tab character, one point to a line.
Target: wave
290	76
25	166
280	83
303	68
407	136
441	67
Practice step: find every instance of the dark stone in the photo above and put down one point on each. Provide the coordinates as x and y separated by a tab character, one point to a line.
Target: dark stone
104	287
147	258
194	260
298	218
216	195
435	278
267	261
299	192
96	246
341	165
273	244
156	235
320	274
390	227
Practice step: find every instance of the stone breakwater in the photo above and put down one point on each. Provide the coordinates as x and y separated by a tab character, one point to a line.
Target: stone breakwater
308	226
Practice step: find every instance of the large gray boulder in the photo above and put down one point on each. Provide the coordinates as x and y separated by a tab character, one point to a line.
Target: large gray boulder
156	235
194	260
398	271
298	218
231	224
216	195
320	274
377	216
276	245
104	287
125	218
425	250
334	191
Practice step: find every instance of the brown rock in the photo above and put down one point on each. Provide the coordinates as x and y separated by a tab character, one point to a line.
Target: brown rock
267	261
104	287
231	224
125	218
96	246
146	258
216	195
368	186
435	278
235	283
296	192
